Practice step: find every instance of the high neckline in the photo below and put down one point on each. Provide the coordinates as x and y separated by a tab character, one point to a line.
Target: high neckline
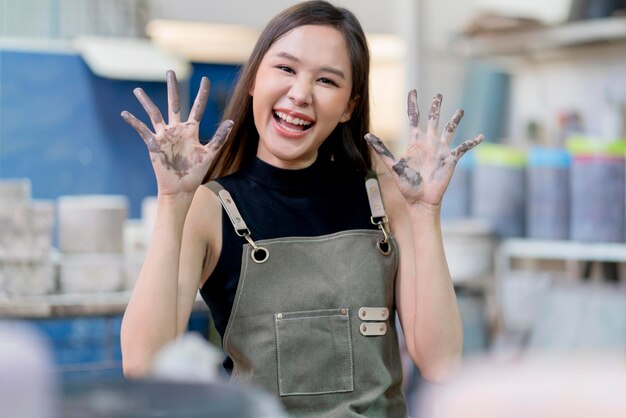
283	178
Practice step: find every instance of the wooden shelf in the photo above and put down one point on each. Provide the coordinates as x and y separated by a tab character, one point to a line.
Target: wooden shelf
535	41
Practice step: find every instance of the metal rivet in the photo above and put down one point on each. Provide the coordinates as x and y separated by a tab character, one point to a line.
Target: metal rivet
238	219
364	328
344	311
373	189
279	316
228	201
363	313
377	207
383	314
382	329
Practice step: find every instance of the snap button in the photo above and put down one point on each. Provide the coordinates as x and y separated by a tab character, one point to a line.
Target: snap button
343	311
279	316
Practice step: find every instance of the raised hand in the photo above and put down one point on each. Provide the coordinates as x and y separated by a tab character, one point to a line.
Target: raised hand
180	162
424	171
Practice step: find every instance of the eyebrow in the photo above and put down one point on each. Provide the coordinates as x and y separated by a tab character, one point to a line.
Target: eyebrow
331	70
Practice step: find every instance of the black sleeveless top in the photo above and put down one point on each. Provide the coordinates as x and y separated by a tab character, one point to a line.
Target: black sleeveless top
318	200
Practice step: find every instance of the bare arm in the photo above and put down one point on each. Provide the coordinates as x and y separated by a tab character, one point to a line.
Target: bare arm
414	185
163	296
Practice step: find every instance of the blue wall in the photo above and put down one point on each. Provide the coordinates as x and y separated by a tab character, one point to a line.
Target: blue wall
60	125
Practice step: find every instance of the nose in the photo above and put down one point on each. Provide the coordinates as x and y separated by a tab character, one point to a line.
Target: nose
301	92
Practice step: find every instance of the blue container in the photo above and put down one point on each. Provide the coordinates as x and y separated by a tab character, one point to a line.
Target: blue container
498	188
597	188
548	200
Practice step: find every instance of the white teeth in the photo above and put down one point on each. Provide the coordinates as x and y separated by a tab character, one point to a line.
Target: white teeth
295	121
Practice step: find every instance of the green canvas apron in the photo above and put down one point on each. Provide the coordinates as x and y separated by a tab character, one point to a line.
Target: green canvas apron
313	319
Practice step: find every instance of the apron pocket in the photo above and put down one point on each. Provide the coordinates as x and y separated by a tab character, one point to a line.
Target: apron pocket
314	352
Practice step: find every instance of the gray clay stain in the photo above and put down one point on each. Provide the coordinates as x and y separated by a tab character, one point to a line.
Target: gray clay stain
407	173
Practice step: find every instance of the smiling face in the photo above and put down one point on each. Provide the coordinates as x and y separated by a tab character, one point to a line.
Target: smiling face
301	92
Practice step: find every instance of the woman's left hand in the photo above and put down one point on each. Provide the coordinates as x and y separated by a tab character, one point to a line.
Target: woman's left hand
424	171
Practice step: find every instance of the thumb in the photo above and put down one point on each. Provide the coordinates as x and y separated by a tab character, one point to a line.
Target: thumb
220	136
379	147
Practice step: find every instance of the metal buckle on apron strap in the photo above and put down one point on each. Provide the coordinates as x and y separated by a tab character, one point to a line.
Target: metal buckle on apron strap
259	254
378	214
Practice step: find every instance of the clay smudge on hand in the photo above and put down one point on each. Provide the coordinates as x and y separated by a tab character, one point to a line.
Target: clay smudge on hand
378	146
172	92
221	134
202	97
153	145
413	109
142	130
435	108
458	152
177	163
414	178
151	109
454	122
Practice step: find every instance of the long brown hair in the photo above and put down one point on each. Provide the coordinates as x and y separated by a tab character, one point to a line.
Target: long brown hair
346	143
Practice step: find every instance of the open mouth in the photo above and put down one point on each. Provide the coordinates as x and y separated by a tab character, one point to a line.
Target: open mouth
290	123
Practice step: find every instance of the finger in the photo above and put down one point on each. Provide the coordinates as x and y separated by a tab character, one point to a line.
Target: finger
142	130
433	115
197	111
459	151
450	128
413	109
153	112
173	98
377	145
221	135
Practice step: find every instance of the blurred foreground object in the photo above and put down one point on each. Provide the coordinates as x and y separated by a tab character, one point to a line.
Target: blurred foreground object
184	383
27	386
533	387
144	399
189	358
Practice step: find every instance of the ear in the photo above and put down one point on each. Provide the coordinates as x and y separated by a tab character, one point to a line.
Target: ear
349	109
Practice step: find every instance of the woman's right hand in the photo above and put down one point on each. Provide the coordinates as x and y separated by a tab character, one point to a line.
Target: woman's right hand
180	162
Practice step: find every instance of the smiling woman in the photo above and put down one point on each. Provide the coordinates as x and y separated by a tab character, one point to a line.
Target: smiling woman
305	76
304	247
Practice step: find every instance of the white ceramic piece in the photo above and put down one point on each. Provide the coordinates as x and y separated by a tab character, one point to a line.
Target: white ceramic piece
90	273
92	223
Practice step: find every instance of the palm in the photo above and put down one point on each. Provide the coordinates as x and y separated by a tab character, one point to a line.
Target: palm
179	160
424	171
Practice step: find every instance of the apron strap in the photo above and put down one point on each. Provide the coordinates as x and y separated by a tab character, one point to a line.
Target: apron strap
379	217
259	254
376	201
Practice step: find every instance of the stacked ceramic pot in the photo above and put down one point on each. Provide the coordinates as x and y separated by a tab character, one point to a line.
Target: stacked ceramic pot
26	226
91	243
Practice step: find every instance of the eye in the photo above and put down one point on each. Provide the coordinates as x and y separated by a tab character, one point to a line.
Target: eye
328	81
286	69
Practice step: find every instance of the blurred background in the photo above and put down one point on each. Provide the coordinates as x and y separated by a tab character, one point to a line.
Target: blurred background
534	219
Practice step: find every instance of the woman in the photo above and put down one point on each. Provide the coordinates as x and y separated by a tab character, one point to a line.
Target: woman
306	264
